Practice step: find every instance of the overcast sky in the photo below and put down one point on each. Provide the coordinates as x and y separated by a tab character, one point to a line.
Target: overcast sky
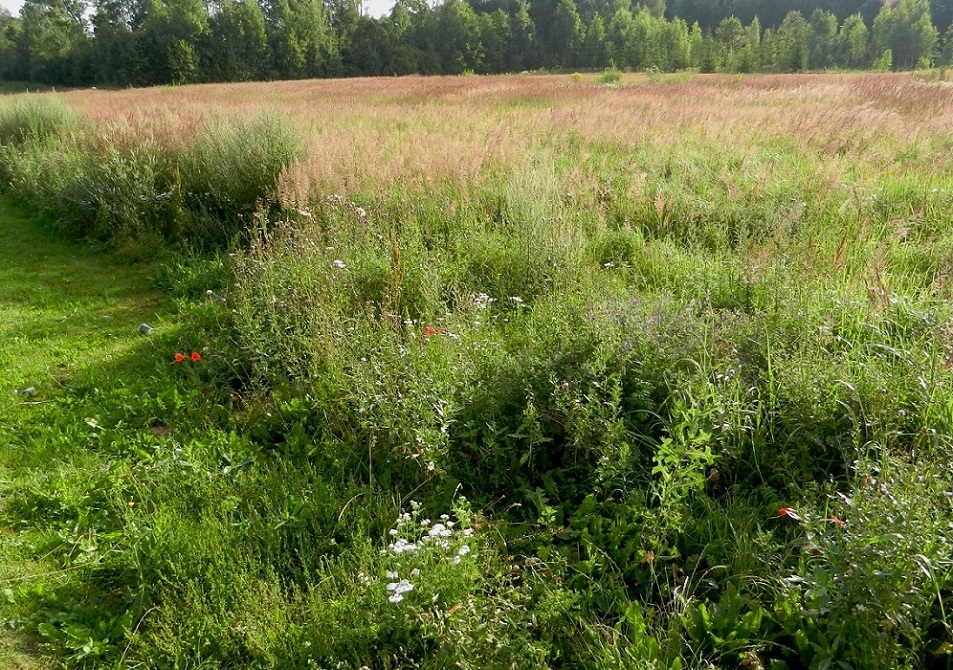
373	7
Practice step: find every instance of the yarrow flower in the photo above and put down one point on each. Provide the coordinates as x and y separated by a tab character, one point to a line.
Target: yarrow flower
439	530
399	589
461	552
482	300
403	546
403	586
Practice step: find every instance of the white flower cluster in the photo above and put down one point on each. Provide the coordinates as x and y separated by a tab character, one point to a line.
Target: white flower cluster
424	539
461	552
482	300
398	588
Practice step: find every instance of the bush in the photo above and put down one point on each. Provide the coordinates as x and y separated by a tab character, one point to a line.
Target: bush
611	75
884	63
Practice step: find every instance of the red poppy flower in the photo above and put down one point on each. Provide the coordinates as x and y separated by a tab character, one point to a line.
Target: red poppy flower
789	512
430	331
196	357
179	357
838	521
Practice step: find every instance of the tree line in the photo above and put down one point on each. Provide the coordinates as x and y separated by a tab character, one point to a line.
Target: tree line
149	42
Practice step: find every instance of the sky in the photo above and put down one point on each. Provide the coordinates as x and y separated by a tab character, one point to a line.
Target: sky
12	6
372	7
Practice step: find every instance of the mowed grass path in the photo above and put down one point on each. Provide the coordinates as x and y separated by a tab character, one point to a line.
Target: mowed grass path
68	315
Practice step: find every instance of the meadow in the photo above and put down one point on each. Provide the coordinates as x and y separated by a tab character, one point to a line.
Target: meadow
526	371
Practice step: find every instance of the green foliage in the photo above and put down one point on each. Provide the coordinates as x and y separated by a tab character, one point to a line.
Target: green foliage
610	75
232	168
906	30
183	41
884	63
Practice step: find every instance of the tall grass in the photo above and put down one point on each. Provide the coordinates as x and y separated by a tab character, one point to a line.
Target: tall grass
35	119
124	183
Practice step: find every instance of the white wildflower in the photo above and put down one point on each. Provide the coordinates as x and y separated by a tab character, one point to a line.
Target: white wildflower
339	264
402	546
391	575
482	300
401	587
439	530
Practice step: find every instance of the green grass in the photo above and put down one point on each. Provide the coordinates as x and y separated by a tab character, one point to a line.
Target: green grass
67	313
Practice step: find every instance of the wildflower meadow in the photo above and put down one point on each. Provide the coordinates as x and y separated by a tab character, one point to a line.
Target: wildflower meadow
524	371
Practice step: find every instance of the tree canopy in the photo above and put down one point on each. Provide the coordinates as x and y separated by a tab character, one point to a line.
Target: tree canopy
147	42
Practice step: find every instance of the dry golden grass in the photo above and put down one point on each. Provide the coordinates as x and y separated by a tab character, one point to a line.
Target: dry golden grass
366	135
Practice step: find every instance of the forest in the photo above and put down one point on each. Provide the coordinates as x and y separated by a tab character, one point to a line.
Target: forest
120	43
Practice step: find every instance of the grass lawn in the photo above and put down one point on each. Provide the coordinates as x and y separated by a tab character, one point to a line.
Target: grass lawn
68	317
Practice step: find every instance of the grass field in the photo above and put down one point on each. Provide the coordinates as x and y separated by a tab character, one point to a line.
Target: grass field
479	372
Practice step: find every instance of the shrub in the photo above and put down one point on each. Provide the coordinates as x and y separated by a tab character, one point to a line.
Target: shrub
611	75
